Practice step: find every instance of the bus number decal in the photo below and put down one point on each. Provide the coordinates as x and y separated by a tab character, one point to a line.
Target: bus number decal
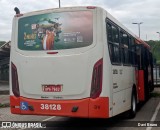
53	107
97	107
115	71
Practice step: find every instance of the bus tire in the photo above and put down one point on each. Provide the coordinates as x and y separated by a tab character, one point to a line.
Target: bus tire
147	95
132	111
151	86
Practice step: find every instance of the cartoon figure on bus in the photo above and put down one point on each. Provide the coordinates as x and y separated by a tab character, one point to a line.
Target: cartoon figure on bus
47	33
48	40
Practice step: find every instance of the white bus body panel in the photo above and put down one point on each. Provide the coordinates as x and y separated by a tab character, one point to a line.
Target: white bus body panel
123	79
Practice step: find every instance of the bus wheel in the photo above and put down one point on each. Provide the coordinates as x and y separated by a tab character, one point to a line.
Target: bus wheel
132	111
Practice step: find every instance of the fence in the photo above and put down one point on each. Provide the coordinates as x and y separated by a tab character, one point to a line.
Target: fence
156	74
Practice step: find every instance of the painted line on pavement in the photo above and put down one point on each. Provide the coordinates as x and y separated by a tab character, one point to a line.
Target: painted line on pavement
154	116
48	118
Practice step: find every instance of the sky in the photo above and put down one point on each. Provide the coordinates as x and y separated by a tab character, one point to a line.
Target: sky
125	11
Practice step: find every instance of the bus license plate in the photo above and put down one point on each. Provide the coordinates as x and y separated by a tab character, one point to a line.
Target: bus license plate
52	88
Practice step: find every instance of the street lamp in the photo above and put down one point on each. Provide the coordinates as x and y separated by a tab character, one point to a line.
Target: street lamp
138	27
159	35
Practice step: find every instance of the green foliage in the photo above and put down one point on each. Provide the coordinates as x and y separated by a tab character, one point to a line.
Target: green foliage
155	48
4	105
155	94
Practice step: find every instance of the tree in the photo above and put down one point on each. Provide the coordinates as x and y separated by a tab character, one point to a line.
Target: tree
155	48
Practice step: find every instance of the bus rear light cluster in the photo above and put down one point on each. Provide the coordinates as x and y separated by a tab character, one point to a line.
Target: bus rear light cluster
96	85
15	84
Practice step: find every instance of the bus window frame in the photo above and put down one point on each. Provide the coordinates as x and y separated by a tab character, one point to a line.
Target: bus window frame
125	47
112	43
133	50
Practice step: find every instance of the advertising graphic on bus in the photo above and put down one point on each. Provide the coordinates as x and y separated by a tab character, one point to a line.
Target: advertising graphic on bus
55	31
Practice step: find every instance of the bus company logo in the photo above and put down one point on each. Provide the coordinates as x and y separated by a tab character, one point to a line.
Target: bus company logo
22	125
52	88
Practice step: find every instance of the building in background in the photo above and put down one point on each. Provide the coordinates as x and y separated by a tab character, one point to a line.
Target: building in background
4	61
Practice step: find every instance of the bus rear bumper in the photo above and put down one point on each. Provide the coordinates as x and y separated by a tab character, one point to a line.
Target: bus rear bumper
84	108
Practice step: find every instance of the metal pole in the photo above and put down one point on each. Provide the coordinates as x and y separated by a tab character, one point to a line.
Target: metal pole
59	3
159	71
146	37
159	35
156	74
139	29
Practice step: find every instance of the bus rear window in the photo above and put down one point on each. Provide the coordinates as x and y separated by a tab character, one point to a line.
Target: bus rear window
56	31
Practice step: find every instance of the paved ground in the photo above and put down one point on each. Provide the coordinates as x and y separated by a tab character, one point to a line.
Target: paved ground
4	99
4	93
4	88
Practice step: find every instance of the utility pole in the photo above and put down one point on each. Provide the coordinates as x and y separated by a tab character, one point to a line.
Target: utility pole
159	35
59	3
138	27
146	37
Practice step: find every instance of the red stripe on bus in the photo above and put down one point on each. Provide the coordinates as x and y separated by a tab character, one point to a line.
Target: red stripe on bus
87	108
99	107
14	104
141	85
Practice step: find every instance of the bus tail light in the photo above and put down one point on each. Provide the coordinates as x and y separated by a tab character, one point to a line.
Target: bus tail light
96	85
15	84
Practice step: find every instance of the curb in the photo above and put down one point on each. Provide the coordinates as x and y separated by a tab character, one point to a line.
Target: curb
5	92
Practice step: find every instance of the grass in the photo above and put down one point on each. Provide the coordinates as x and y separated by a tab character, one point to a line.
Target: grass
4	105
155	94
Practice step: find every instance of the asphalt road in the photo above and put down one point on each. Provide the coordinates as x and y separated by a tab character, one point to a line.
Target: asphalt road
146	113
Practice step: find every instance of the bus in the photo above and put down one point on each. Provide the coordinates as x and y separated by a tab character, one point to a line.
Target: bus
77	62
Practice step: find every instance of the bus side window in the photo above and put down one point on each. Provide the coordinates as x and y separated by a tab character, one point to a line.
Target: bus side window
109	32
113	43
115	34
124	47
133	51
109	37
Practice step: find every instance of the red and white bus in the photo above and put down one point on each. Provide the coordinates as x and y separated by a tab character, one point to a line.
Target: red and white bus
77	62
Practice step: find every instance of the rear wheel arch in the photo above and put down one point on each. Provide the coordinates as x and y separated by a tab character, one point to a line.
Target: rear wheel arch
134	90
132	111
